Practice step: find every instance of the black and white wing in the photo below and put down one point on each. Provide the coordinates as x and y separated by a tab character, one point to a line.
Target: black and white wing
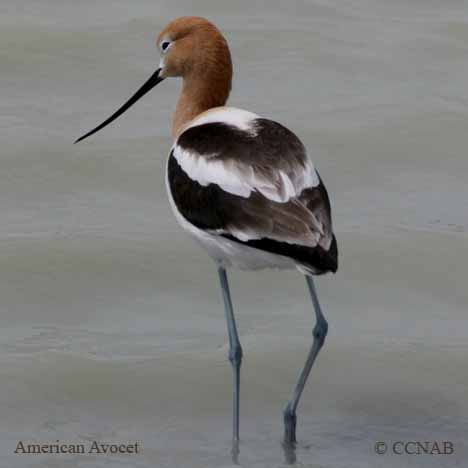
250	180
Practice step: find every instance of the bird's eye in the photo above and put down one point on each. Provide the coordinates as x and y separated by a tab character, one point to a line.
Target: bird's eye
165	45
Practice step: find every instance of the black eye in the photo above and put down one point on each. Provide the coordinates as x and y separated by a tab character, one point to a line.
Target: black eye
165	45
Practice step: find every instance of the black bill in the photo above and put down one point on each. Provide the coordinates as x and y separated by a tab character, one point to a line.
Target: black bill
150	84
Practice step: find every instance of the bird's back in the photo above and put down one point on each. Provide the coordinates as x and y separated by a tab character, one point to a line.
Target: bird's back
235	176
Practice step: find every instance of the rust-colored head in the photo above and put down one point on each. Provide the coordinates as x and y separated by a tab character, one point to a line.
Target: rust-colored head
193	47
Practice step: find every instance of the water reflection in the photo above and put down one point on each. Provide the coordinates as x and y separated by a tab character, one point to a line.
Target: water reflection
235	451
289	453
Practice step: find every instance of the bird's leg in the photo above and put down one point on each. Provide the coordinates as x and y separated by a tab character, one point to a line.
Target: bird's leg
235	350
319	334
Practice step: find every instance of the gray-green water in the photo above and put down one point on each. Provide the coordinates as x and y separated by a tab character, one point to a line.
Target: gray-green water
112	325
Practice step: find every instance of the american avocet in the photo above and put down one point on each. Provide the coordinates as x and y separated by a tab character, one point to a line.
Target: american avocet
243	186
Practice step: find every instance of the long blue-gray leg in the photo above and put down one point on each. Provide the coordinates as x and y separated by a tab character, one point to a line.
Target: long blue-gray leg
235	351
319	334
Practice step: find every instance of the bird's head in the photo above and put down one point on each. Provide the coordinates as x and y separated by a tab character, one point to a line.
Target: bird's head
190	46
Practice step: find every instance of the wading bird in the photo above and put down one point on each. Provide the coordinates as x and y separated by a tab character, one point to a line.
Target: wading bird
243	186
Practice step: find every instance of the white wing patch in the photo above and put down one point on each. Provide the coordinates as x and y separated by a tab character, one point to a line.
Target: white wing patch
207	170
239	179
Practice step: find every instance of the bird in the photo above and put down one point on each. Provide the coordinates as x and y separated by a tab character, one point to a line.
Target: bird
242	185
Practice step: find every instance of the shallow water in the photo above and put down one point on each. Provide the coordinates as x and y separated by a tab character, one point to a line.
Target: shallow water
112	322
